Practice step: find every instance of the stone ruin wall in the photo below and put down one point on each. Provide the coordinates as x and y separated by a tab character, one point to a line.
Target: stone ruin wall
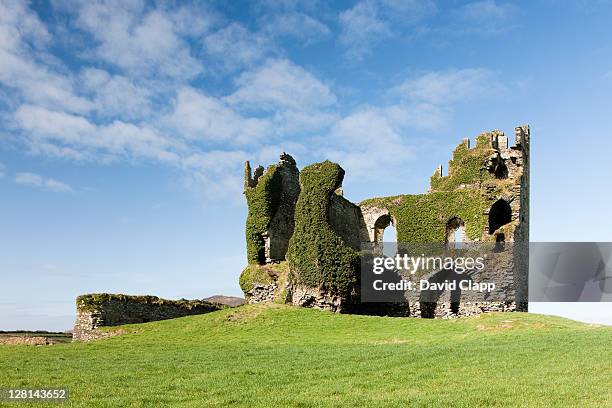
347	221
281	226
104	310
508	167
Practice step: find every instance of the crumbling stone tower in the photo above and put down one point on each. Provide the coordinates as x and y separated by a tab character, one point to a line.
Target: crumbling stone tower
271	196
303	237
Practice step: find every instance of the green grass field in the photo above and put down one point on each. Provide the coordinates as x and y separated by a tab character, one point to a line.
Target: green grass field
276	356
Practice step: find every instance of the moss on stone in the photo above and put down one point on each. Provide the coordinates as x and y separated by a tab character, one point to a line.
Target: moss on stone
96	301
264	275
263	200
317	256
422	218
467	166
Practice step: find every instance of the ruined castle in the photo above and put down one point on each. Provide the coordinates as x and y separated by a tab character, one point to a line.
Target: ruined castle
305	241
304	238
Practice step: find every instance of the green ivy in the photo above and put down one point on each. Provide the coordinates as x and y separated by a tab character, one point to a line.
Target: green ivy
466	167
95	301
422	218
263	275
263	201
317	256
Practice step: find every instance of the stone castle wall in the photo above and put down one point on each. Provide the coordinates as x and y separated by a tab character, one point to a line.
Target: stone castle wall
484	197
102	310
281	225
347	221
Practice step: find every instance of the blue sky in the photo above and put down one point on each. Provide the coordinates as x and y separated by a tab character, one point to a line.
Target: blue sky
125	125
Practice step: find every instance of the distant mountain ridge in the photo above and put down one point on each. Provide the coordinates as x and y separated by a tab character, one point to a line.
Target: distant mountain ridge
225	300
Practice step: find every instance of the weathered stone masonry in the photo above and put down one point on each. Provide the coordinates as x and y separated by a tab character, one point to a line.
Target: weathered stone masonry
484	197
100	310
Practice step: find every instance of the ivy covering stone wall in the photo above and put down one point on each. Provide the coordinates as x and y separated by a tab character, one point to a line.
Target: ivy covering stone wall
317	255
263	200
106	309
422	218
271	196
482	198
467	166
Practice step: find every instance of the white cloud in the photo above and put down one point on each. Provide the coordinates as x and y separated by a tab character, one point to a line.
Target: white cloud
234	47
17	22
487	10
22	42
369	143
281	84
40	182
199	116
292	99
54	185
37	84
419	116
486	17
296	24
45	127
55	125
139	40
370	21
216	173
362	26
116	95
443	88
145	106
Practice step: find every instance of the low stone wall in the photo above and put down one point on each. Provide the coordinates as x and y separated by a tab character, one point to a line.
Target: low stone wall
99	310
30	341
445	310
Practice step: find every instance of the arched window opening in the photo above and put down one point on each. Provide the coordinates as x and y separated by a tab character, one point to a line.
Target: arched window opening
390	233
379	227
501	170
385	233
390	240
499	215
455	232
498	168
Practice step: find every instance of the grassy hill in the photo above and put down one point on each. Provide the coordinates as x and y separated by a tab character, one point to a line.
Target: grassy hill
276	355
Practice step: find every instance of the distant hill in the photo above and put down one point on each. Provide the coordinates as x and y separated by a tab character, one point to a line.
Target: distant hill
225	300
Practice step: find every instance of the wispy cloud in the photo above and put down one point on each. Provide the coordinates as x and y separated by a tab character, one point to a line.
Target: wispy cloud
137	94
78	134
370	21
297	25
361	27
451	86
486	17
234	47
351	142
487	10
40	182
146	41
198	116
280	84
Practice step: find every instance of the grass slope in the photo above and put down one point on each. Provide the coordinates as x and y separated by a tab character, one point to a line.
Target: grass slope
277	355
